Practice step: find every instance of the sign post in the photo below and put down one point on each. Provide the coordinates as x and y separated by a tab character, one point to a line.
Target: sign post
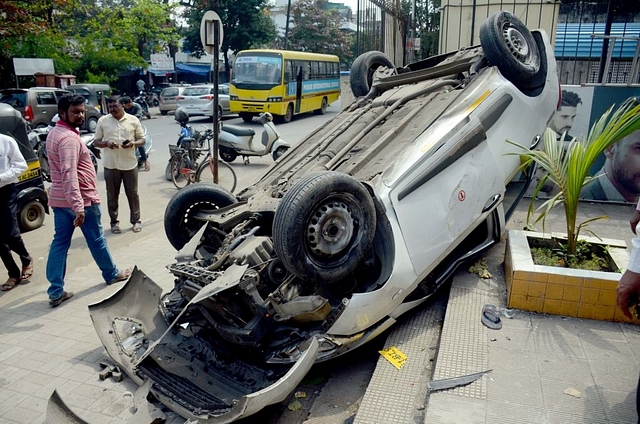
211	35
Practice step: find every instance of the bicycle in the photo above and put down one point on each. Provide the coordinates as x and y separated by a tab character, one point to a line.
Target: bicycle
185	168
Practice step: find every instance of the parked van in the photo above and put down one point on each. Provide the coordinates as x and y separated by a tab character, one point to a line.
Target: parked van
95	94
38	105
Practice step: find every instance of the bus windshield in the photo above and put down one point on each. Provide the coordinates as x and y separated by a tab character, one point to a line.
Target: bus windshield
257	69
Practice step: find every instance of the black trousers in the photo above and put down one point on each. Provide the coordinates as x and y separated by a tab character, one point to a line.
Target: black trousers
114	179
10	238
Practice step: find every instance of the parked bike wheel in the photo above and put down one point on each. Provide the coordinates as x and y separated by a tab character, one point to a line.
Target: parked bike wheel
181	173
226	175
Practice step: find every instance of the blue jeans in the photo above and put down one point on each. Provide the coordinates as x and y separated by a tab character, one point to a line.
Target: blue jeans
92	229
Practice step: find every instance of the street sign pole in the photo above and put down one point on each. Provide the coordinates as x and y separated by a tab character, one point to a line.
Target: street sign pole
211	35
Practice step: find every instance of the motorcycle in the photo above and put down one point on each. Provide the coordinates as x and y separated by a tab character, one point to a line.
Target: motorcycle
141	99
38	141
237	141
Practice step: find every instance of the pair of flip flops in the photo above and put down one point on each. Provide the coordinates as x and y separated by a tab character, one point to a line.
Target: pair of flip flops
491	317
25	277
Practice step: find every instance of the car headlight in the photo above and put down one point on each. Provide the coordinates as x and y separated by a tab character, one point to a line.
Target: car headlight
234	98
274	99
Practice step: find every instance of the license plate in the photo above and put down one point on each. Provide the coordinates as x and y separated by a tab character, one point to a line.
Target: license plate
252	109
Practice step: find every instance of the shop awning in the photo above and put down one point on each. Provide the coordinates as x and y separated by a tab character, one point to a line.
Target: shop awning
193	69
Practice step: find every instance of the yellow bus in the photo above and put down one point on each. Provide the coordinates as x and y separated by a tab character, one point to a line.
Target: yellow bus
283	83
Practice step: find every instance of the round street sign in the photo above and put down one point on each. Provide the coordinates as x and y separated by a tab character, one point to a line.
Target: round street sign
206	31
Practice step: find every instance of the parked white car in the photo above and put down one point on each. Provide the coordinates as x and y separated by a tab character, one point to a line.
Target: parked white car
198	100
356	225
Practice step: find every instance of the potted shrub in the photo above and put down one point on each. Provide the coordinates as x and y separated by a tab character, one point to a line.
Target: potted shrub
569	291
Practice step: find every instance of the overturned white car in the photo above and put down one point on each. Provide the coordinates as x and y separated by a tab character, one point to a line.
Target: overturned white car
356	225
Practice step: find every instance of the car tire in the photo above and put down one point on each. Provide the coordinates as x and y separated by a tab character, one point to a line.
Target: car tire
288	115
279	152
92	124
246	117
508	44
323	107
227	154
330	203
363	69
164	112
31	216
179	222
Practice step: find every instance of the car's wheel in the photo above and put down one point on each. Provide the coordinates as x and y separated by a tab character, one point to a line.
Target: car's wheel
324	226
92	124
31	216
180	223
323	107
509	45
164	112
156	103
288	115
279	152
227	154
246	117
363	69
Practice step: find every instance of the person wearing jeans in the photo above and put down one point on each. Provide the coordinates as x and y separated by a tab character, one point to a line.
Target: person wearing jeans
74	198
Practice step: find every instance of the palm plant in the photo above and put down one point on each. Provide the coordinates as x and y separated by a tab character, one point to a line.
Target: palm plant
567	166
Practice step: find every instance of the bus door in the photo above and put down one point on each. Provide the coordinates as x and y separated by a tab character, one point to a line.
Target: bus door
298	89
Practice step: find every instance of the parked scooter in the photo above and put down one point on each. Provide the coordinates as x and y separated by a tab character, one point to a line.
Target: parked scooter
38	140
141	99
237	141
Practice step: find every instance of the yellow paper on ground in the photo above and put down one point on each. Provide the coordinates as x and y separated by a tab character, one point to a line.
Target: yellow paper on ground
395	356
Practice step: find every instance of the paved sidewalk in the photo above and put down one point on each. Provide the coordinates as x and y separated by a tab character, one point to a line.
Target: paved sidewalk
534	358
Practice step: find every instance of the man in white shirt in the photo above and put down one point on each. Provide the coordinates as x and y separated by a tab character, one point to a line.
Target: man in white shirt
119	134
12	164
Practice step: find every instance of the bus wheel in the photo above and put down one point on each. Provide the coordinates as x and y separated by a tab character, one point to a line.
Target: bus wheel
288	114
31	216
323	108
246	117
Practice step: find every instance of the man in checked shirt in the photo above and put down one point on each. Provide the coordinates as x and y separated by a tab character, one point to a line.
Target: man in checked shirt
74	198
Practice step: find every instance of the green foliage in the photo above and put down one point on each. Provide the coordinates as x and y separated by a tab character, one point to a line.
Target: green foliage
318	30
568	167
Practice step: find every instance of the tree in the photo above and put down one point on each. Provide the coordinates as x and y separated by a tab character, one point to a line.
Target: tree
246	25
317	29
427	17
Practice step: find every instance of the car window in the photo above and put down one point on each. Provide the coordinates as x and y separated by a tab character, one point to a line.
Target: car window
169	92
197	91
83	92
46	98
14	99
223	89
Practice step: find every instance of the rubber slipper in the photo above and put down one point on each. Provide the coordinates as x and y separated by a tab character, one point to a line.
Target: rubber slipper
490	317
27	271
10	284
122	275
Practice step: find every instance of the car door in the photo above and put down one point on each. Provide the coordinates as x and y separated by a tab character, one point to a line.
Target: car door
45	107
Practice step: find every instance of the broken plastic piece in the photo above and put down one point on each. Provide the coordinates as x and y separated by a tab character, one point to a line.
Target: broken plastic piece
294	406
395	356
300	395
572	392
450	383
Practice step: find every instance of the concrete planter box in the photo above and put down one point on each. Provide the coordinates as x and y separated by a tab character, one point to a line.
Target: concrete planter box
562	291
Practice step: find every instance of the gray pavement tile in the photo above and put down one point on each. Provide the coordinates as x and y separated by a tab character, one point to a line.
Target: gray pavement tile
620	376
516	361
608	350
39	419
573	371
558	417
587	405
520	389
508	412
21	414
35	404
619	407
592	329
9	400
445	408
97	417
520	339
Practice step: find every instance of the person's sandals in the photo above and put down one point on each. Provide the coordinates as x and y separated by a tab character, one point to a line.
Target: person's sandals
122	275
27	272
115	229
137	227
11	283
58	301
147	166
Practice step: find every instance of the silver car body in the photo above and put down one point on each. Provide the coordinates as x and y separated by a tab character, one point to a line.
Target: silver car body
198	99
426	148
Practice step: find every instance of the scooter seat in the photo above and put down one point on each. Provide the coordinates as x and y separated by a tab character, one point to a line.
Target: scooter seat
238	131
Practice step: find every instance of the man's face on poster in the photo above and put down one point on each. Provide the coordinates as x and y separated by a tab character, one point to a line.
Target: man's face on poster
625	163
563	119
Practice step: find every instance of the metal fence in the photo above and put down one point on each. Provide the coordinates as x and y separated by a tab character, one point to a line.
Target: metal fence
598	43
382	26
